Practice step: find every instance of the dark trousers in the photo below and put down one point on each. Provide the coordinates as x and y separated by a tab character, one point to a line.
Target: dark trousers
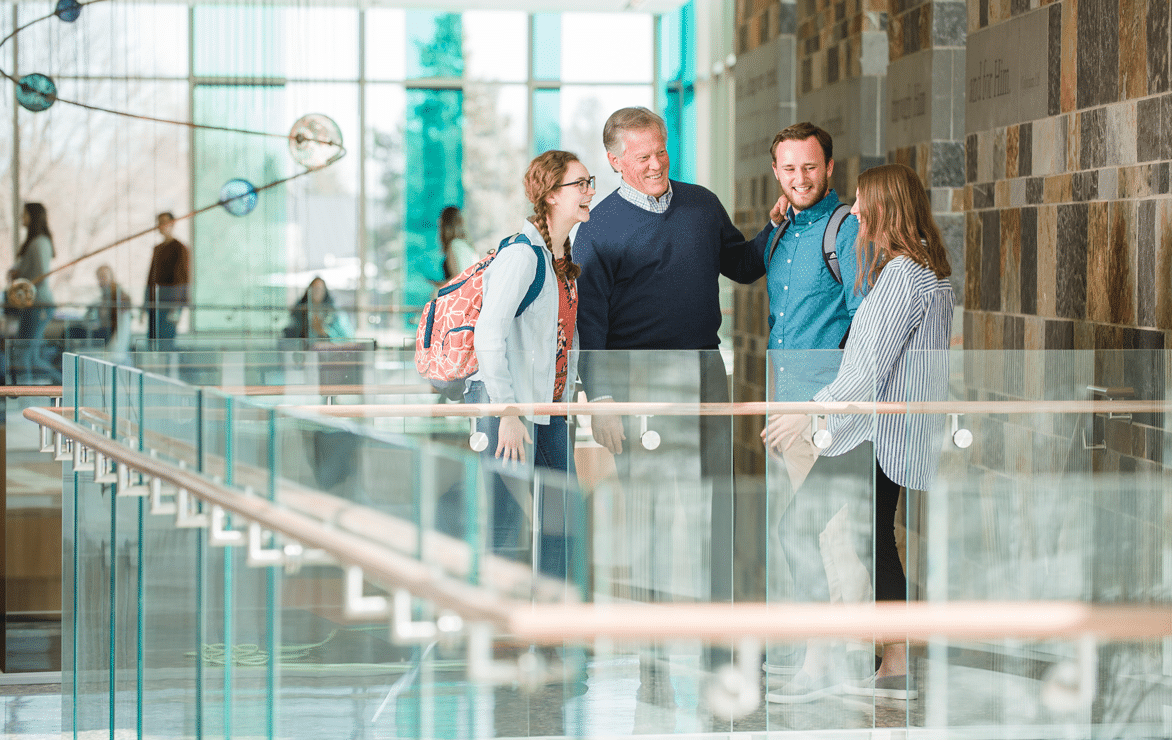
890	580
716	466
159	326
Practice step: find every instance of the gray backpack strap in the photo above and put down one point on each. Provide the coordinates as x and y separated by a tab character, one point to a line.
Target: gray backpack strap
773	241
830	240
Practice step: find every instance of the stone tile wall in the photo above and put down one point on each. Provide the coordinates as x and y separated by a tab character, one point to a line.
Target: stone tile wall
926	111
766	48
1068	233
842	56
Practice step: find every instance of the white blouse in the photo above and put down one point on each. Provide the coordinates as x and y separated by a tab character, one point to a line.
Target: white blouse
897	352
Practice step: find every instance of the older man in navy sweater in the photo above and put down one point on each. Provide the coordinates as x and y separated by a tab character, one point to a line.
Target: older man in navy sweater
651	257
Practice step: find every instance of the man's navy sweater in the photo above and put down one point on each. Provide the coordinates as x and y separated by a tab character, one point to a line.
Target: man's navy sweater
650	281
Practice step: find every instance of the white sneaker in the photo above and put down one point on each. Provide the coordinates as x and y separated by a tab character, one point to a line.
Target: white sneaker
804	688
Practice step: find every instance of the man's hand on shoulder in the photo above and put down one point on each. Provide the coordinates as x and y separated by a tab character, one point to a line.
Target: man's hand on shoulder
777	213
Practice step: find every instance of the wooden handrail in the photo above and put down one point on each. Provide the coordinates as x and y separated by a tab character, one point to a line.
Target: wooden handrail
450	553
752	408
550	624
883	622
30	391
391	568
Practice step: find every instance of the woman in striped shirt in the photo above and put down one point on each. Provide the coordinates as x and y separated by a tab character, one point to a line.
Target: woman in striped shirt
897	352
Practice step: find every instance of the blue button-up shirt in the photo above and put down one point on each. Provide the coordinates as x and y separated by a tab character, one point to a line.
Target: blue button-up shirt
808	309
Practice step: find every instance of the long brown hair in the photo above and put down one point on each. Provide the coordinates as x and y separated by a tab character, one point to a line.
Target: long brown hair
896	220
451	228
38	225
543	177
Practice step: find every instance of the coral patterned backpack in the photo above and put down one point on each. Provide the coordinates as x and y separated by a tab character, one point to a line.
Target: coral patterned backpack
444	350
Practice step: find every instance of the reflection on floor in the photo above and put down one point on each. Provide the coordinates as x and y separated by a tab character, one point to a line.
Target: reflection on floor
617	695
31	712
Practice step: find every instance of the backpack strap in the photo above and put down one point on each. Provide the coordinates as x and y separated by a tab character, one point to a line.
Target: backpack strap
830	240
774	240
538	279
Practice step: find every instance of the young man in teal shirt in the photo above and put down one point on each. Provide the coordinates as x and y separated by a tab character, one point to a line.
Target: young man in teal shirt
809	315
808	308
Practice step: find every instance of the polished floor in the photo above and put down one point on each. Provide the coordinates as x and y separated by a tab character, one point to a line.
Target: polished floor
619	696
31	712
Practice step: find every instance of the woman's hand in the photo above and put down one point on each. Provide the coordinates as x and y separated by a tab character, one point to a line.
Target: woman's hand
511	439
782	430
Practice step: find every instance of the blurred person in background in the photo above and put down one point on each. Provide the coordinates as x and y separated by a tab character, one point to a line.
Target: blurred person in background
458	254
108	319
315	316
167	283
32	263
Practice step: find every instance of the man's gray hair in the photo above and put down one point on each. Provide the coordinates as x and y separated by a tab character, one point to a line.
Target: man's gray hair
629	119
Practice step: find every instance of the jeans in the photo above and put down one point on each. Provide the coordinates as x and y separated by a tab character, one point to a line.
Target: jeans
28	355
560	503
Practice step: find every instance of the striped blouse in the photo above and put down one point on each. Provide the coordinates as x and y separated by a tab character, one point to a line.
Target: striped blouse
897	352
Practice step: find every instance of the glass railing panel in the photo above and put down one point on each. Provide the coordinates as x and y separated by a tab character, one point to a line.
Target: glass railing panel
32	501
657	487
279	370
171	563
39	361
1042	497
96	646
821	537
342	675
229	589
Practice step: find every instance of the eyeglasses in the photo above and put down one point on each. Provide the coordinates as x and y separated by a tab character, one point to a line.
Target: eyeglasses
584	184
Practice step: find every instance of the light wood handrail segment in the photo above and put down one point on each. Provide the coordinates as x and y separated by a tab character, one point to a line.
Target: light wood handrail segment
883	622
581	623
753	408
453	555
381	565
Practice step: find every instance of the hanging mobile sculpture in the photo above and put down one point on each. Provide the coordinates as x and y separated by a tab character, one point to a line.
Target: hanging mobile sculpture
315	142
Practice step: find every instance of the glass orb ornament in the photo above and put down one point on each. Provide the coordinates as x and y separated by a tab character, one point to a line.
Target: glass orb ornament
315	141
68	10
238	197
22	293
36	92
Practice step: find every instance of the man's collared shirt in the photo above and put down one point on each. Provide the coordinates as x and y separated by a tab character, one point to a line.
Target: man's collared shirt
808	309
638	198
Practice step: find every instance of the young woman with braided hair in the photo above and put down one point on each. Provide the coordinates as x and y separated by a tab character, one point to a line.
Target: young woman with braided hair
532	357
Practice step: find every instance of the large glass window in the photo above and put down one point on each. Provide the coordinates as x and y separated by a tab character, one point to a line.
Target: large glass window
107	39
435	109
677	88
101	182
235	257
495	45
